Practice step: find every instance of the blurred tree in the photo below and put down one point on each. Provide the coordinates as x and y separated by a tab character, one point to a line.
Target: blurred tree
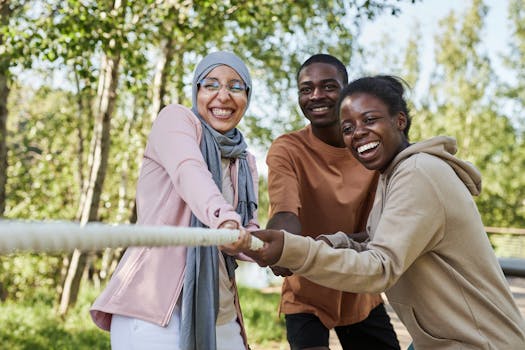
514	91
513	94
16	49
111	18
462	104
45	186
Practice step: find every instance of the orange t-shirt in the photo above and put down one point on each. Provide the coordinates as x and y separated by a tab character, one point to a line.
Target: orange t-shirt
330	191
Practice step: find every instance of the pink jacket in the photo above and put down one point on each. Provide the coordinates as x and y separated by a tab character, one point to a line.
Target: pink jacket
174	181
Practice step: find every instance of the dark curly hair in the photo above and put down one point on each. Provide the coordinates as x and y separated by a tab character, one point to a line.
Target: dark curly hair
387	88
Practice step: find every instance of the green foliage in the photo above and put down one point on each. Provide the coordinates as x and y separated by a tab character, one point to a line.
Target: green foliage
28	278
18	35
264	201
43	180
261	318
514	92
461	104
34	326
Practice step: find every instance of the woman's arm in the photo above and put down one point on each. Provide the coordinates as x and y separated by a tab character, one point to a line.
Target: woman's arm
411	223
174	142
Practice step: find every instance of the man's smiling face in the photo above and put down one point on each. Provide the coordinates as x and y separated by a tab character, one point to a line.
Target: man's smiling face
319	87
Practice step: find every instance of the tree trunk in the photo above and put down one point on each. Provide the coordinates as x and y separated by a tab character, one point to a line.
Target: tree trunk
161	76
5	63
123	209
180	77
80	127
4	94
106	97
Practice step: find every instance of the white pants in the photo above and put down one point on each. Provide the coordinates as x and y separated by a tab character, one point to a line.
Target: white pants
129	333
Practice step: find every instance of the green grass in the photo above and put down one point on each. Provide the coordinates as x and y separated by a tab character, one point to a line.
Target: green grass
259	310
26	326
36	326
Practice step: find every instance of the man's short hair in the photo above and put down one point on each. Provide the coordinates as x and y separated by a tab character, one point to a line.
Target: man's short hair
328	59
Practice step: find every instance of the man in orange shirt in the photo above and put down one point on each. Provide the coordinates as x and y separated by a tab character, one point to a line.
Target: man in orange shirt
316	186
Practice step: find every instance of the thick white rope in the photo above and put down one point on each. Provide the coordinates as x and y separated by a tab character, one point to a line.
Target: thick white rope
43	236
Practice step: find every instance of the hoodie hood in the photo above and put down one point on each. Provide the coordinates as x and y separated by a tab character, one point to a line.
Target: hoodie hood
444	147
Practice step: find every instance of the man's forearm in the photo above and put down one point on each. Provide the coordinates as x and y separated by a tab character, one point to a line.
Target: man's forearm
285	221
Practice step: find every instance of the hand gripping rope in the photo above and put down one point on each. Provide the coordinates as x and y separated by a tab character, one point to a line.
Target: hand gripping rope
42	236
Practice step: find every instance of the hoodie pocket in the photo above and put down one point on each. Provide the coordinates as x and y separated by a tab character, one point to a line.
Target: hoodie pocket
424	336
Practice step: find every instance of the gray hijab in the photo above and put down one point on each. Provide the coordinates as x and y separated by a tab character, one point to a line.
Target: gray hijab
217	59
200	294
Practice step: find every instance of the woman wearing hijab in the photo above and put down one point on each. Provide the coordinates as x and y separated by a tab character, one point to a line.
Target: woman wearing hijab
196	172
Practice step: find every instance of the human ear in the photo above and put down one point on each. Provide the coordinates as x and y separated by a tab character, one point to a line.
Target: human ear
401	121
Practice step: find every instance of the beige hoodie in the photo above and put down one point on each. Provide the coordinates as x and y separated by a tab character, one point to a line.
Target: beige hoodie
428	252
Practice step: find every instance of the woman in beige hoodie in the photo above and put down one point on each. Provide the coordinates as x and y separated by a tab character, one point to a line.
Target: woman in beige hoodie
427	247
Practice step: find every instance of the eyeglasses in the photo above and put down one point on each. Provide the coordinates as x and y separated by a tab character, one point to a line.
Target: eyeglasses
211	85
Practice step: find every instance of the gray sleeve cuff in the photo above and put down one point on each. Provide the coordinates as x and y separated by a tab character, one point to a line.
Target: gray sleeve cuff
341	240
338	239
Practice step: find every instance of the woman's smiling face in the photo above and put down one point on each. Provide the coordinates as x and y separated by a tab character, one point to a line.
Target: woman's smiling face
373	135
222	109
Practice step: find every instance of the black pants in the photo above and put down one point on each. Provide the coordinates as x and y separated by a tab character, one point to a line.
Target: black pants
375	332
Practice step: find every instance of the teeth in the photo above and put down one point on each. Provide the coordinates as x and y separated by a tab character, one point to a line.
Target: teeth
221	112
319	109
368	146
